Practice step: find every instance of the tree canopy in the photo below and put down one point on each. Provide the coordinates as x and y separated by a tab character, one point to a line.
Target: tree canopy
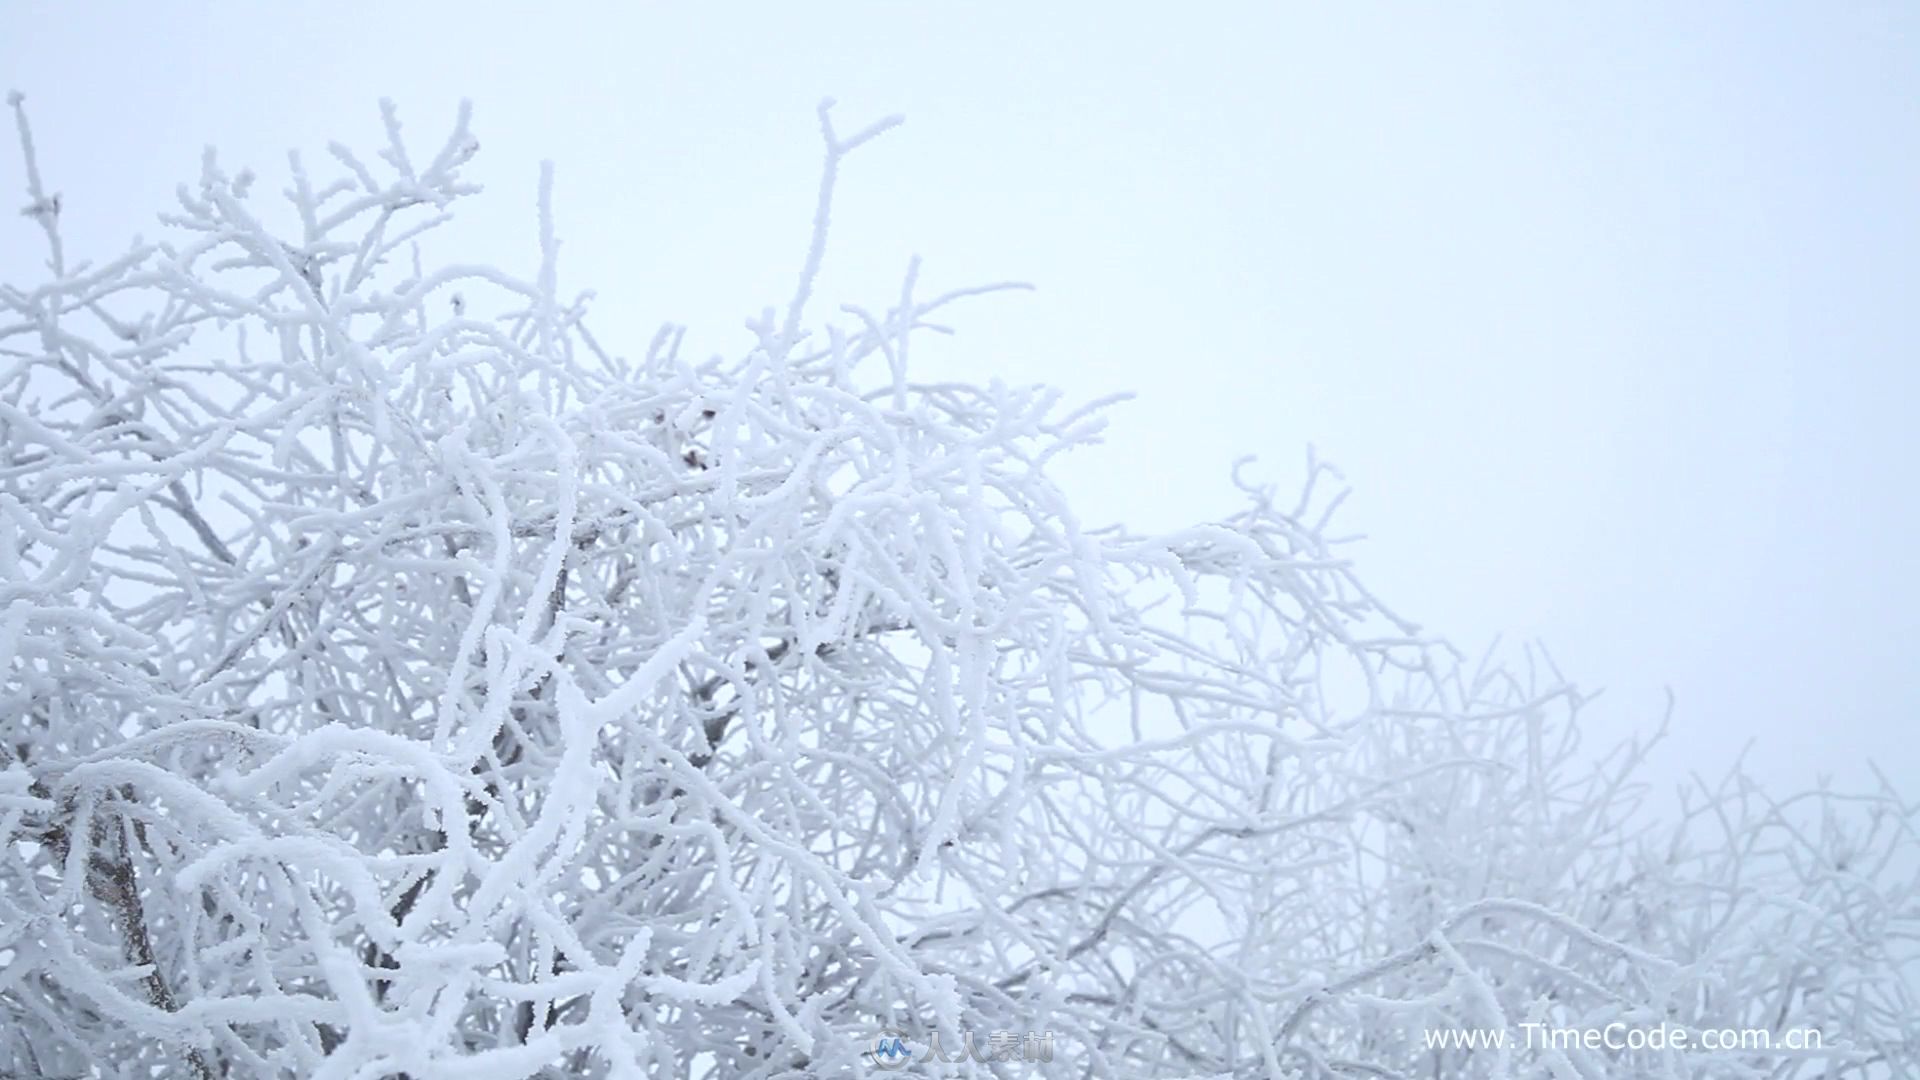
399	680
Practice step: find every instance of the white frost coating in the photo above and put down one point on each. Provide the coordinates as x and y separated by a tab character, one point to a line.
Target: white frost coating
399	682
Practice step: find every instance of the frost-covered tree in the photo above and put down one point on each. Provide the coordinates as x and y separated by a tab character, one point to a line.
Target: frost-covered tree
401	681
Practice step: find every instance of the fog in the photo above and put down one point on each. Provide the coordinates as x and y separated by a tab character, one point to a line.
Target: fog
1607	316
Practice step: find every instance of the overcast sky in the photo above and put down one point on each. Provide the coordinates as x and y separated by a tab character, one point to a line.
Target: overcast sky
1609	316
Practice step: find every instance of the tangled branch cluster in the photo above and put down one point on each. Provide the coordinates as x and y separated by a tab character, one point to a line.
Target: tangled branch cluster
399	682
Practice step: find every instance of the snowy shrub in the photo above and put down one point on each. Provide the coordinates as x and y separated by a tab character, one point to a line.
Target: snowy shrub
401	681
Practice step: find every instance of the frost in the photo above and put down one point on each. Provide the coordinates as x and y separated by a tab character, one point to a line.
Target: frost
400	682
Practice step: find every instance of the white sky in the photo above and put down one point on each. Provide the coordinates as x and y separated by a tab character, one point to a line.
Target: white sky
1608	316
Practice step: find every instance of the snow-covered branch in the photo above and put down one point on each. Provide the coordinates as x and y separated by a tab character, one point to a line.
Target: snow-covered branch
398	681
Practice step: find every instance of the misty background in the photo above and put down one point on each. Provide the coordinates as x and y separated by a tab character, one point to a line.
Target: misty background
1608	316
